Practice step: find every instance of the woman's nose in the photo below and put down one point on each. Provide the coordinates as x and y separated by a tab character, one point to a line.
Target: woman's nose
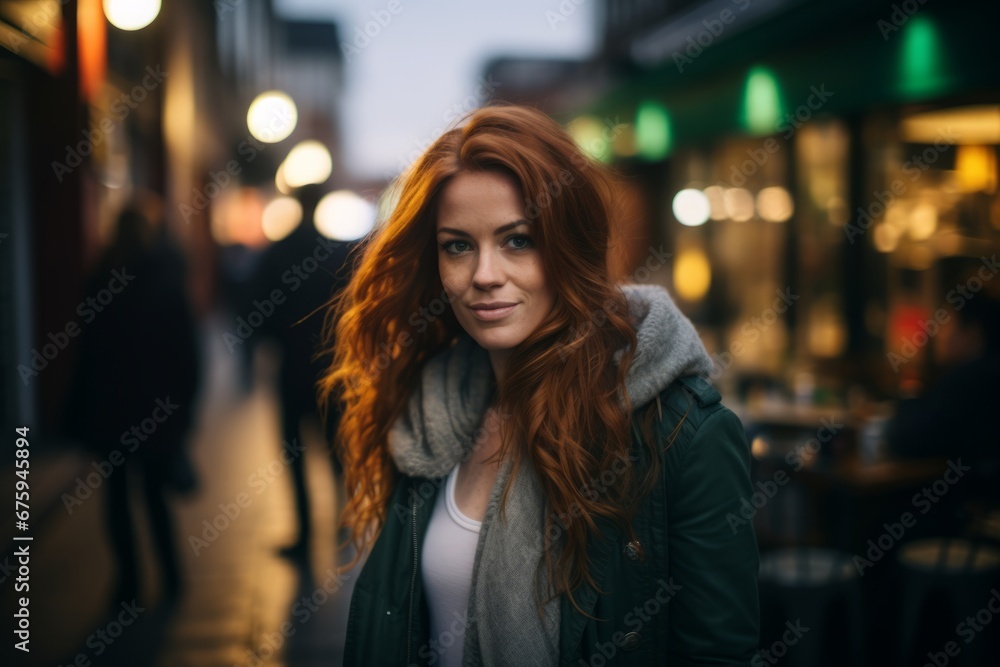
489	271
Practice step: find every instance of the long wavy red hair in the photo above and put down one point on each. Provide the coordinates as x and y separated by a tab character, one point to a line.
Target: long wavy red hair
561	387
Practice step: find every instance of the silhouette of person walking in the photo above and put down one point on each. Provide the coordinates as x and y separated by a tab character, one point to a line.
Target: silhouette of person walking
309	269
134	390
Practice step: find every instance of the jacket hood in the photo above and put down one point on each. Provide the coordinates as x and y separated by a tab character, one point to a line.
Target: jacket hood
456	386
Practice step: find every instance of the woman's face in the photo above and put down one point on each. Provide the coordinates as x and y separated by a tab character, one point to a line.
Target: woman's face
487	256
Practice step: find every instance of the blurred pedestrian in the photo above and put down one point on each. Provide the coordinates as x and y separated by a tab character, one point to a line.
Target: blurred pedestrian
308	269
133	396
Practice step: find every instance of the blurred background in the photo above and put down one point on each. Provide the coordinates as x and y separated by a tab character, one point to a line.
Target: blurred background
181	183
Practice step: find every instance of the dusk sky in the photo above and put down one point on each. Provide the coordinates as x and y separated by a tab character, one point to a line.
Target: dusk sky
422	68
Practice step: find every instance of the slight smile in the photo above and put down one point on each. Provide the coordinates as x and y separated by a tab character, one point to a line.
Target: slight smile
493	312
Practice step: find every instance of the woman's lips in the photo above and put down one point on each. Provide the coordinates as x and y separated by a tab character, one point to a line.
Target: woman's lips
489	314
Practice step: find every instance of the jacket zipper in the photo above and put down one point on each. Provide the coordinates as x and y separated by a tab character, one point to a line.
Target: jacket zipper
413	575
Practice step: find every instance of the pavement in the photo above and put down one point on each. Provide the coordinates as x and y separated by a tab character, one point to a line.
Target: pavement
242	604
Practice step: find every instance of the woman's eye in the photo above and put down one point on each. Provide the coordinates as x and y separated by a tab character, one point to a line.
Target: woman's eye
515	241
520	237
447	246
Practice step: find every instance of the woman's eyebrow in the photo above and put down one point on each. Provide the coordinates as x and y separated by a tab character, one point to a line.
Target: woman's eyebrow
496	232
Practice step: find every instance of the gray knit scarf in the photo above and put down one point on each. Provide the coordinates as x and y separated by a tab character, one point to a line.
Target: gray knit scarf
438	431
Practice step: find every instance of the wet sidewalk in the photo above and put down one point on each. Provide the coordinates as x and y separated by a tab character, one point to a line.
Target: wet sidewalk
242	603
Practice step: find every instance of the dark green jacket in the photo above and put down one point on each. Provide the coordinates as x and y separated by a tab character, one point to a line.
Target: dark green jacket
686	594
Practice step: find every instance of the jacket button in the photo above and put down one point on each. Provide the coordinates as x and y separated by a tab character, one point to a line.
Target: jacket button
633	550
631	641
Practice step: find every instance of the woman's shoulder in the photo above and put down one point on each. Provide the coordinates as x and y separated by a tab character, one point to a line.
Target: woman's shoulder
686	404
692	420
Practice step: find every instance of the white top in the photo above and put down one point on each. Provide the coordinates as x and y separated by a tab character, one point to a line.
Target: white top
446	566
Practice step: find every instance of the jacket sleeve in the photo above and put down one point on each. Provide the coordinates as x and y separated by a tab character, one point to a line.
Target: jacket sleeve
712	550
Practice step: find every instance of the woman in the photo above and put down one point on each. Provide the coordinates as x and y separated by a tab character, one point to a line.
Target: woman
535	468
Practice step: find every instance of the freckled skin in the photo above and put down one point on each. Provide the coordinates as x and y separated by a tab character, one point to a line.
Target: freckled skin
483	267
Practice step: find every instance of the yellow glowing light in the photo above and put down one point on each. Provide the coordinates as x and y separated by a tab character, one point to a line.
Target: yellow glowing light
691	207
309	162
885	237
272	116
923	222
279	181
964	125
131	14
281	217
895	217
692	275
836	211
715	202
591	136
738	203
344	216
775	204
977	168
759	447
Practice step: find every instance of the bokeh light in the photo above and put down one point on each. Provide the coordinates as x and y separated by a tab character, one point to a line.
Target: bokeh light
281	217
691	207
272	116
738	203
692	274
652	131
309	162
131	14
716	203
774	204
344	216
